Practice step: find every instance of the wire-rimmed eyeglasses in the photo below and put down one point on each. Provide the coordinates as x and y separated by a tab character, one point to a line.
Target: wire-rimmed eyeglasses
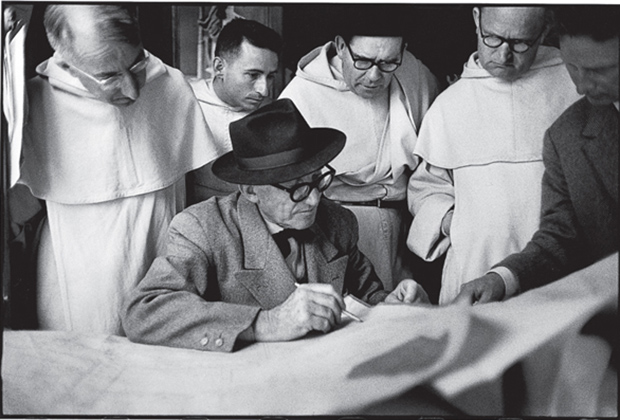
518	46
363	63
299	192
116	80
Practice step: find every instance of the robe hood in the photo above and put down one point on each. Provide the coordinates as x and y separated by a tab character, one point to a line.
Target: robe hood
79	150
315	67
481	119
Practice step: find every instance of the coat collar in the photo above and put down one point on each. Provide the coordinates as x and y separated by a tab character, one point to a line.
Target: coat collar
601	145
265	272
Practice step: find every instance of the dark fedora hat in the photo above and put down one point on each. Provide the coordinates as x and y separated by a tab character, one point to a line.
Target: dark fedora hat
275	144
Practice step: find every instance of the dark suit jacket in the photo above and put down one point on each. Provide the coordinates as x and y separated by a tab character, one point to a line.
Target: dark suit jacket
222	266
579	223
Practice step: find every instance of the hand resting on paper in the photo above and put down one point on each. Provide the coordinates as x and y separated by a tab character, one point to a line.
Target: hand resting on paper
408	291
488	288
314	306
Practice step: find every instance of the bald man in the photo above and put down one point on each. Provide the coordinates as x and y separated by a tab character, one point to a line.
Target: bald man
476	195
111	133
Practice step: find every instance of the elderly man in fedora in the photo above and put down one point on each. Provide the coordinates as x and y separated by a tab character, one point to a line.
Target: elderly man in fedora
267	263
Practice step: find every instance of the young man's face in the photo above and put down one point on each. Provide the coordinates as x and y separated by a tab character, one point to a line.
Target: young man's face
245	80
593	66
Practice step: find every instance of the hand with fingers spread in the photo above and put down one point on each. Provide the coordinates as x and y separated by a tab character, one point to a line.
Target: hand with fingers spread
488	288
310	307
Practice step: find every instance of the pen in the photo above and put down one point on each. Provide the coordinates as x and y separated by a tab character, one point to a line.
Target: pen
344	311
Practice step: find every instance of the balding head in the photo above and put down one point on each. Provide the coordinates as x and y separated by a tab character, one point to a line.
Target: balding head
68	25
523	27
99	45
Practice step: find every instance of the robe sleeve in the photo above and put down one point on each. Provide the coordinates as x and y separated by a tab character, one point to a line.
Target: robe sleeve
430	196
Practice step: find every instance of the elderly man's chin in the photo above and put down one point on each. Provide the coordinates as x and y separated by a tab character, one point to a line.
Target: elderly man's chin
369	92
303	220
507	73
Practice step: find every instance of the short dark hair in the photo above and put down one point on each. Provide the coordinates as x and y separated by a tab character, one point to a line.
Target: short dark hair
236	31
113	22
600	23
372	20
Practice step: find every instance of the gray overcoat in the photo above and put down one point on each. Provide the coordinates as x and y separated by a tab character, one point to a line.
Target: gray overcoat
222	266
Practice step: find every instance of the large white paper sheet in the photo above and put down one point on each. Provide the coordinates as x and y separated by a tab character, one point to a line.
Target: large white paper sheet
393	350
462	352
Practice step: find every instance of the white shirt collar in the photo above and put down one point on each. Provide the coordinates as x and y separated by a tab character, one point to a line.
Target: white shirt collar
272	227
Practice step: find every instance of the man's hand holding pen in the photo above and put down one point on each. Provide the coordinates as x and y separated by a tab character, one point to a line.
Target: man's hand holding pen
318	307
312	306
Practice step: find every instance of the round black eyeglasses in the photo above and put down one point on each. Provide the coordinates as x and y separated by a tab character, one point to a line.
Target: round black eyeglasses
367	63
518	46
299	192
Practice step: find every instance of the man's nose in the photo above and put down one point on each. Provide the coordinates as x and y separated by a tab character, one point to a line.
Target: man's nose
130	86
504	52
261	86
584	82
314	197
374	73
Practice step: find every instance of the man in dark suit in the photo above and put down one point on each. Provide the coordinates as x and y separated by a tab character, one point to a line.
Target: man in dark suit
579	223
269	263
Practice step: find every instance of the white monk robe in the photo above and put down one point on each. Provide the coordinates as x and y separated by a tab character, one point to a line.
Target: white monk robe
203	184
481	142
112	179
378	156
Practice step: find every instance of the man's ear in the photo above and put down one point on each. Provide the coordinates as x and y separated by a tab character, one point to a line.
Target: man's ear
476	14
219	65
249	192
64	65
340	46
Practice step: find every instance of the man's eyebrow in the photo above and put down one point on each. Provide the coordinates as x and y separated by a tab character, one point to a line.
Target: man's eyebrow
255	70
141	56
361	57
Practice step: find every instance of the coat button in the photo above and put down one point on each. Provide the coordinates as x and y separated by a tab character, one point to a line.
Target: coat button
204	341
219	342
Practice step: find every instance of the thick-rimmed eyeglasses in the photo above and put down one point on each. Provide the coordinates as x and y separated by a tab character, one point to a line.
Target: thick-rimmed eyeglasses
363	63
299	192
518	46
116	80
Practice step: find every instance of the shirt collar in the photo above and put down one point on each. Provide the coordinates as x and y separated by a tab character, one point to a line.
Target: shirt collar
272	227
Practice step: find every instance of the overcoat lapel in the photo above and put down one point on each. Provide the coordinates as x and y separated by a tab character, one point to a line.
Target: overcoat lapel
601	148
264	272
323	264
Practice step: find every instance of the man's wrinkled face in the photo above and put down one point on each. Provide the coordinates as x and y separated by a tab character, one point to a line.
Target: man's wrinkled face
104	60
276	206
512	23
593	67
372	82
246	79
